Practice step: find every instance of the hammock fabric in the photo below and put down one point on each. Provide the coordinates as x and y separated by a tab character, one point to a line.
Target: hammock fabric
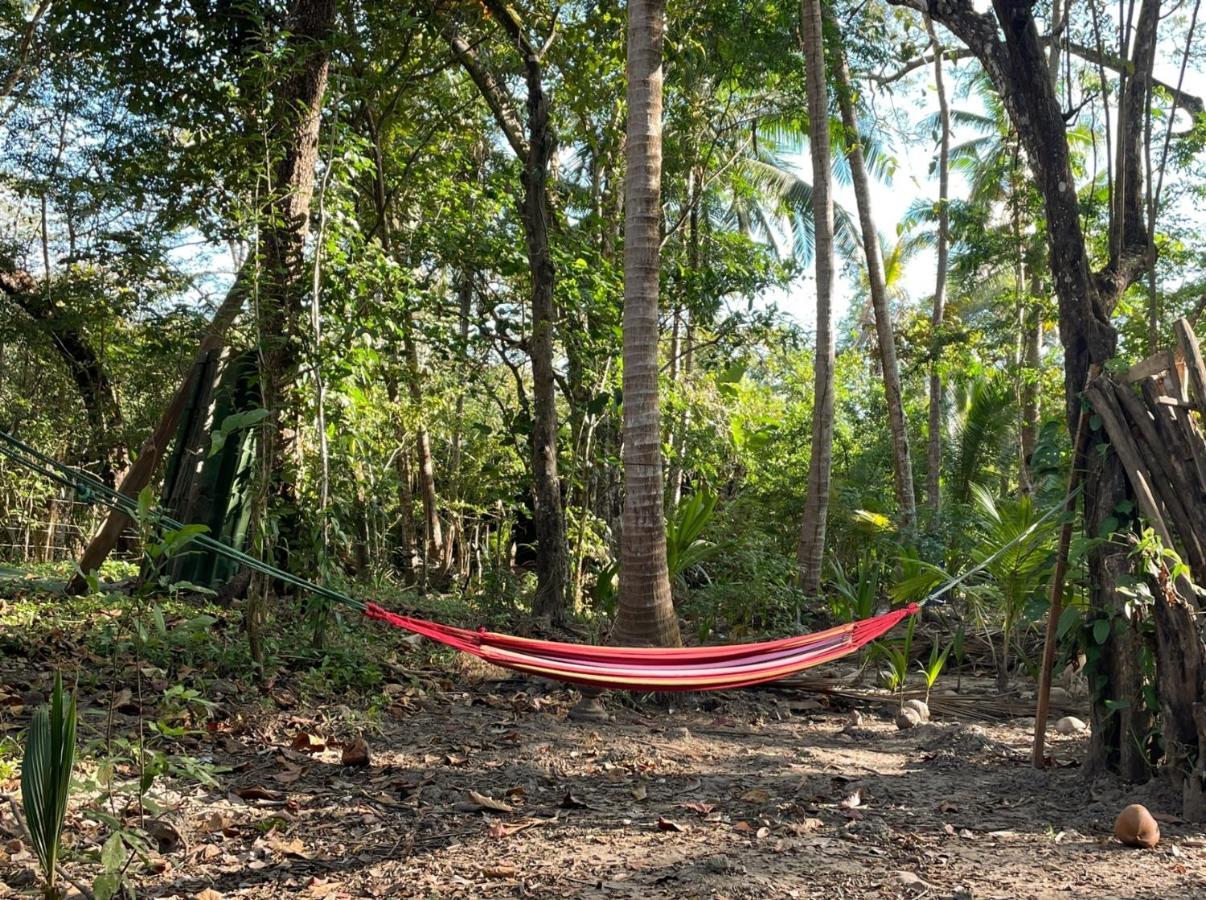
655	668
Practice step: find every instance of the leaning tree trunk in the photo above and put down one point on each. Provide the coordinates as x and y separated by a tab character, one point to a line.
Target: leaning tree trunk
104	451
810	552
933	456
152	451
902	461
646	607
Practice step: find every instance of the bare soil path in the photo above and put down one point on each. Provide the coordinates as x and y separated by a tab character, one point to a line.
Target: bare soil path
487	789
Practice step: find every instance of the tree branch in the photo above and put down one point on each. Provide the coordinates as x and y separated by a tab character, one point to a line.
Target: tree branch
497	97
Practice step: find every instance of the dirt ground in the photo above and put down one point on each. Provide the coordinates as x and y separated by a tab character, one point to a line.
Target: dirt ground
484	788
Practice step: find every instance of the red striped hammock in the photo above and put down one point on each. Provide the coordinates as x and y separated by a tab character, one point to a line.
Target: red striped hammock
655	668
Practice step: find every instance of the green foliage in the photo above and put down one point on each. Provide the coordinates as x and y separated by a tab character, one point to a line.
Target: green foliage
685	546
46	778
932	668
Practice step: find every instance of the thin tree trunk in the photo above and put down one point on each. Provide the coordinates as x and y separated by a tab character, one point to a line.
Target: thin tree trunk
535	150
1032	341
934	438
552	559
646	607
433	530
902	460
810	552
104	451
687	349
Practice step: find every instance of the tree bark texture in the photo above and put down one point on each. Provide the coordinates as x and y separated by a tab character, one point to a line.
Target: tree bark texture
810	551
1007	43
534	143
646	608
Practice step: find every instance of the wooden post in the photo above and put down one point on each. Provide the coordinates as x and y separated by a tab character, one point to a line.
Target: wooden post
1038	755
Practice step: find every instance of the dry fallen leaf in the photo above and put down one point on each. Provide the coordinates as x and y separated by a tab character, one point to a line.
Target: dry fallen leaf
321	887
639	791
664	824
702	808
490	803
356	753
288	774
209	894
304	742
286	847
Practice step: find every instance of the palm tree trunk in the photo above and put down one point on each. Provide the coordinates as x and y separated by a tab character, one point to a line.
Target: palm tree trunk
810	552
646	609
934	439
902	460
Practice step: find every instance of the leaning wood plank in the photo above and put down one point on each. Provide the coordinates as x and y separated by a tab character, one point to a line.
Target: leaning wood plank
1195	368
1103	403
1156	364
1193	440
1166	481
1176	439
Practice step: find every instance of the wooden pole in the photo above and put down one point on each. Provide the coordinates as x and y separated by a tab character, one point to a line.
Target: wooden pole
1038	756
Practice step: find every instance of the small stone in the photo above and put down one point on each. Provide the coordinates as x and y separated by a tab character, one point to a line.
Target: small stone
911	881
920	707
588	709
1070	725
908	718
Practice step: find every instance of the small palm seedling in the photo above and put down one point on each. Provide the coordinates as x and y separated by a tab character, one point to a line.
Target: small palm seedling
46	778
933	668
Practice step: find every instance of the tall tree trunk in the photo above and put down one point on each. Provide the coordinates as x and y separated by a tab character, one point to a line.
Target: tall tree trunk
646	607
552	559
933	456
297	116
535	150
433	530
810	552
686	347
902	460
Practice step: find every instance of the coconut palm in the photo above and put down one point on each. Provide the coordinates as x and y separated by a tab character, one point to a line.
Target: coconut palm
646	608
810	552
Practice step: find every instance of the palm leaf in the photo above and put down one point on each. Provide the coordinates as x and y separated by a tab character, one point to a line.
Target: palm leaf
46	775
